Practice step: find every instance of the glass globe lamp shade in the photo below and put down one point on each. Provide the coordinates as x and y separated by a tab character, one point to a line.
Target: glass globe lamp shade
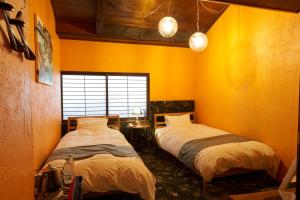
167	27
198	42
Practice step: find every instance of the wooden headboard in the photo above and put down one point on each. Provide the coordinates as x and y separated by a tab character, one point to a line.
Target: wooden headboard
113	122
159	118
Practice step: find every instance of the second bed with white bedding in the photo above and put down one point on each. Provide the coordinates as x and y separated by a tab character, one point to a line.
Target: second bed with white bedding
215	160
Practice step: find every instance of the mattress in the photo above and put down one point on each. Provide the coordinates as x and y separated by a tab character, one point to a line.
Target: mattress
217	159
106	172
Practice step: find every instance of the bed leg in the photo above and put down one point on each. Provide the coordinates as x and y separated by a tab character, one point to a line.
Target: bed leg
204	186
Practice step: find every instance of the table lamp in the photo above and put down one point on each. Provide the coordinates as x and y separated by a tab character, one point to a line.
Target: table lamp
137	112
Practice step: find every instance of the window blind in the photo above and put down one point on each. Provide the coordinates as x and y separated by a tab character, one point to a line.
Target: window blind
126	93
83	95
108	94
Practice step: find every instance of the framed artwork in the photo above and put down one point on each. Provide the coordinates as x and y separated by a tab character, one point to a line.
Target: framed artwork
43	48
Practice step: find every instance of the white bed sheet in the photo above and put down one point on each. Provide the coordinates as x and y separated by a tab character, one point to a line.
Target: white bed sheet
217	159
105	172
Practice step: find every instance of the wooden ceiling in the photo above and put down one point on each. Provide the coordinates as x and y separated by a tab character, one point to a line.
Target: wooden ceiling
127	20
135	21
283	5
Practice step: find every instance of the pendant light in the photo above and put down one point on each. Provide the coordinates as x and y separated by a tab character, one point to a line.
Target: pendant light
167	26
198	41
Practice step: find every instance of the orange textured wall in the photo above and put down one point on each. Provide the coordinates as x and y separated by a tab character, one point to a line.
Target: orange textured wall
15	123
46	101
25	107
248	77
171	69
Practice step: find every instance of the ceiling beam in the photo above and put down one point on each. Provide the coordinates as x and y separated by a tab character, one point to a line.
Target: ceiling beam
283	5
74	36
99	17
120	34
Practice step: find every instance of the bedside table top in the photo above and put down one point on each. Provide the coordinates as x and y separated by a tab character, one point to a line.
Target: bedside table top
140	125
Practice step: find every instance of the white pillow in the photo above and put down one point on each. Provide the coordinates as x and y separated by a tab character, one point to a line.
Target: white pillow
86	123
178	120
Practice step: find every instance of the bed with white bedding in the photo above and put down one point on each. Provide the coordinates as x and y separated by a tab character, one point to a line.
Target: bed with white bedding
213	152
115	166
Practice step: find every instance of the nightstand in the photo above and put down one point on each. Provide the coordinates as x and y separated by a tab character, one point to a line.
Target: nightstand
139	132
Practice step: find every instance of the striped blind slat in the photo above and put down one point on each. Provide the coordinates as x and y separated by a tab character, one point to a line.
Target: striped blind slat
83	95
120	94
86	95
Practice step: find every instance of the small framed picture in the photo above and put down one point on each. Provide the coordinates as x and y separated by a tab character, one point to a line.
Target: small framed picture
43	45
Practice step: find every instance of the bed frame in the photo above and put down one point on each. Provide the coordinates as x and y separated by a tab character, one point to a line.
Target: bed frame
159	122
113	122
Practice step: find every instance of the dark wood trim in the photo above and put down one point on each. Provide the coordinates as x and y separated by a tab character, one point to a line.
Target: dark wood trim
106	93
283	5
298	152
148	95
103	73
61	98
75	36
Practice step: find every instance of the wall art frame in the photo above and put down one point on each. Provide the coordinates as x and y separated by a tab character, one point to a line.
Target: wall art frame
43	43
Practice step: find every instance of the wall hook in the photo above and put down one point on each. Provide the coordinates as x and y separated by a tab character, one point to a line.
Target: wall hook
19	23
6	6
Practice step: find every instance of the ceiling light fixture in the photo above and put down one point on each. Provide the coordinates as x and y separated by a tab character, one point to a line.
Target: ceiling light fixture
198	41
167	26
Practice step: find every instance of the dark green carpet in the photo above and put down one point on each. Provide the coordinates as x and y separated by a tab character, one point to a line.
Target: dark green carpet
176	181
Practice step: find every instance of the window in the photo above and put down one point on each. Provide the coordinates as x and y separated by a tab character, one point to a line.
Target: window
93	94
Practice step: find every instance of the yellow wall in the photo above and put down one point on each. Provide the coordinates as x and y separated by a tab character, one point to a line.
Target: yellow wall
248	77
171	69
29	111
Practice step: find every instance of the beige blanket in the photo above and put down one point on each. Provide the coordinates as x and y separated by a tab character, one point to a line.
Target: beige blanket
217	159
105	172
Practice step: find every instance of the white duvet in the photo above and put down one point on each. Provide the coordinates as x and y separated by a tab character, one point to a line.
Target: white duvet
217	159
105	172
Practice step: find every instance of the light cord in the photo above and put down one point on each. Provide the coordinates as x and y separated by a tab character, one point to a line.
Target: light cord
169	3
142	20
216	12
152	12
24	5
198	16
143	16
